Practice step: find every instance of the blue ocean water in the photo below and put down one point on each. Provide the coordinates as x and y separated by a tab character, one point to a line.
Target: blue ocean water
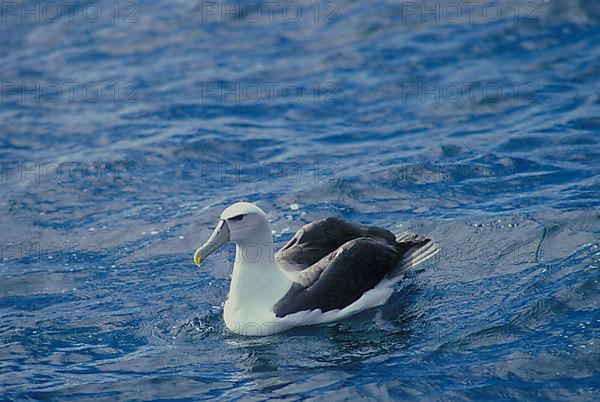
126	127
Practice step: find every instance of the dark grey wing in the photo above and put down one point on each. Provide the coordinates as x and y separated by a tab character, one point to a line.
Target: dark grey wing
318	239
341	277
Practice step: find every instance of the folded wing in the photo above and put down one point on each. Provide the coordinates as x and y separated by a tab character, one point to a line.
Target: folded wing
334	262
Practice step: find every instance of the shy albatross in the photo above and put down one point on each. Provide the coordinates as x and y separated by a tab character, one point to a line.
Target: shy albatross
329	270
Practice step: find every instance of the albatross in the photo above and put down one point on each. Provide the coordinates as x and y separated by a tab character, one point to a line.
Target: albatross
330	270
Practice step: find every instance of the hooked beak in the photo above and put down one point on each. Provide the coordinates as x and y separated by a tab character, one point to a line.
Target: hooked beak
219	237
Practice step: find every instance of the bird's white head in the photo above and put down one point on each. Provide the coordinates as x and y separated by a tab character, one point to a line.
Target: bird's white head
242	223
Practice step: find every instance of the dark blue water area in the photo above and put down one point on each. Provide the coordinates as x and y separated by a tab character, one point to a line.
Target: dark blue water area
126	127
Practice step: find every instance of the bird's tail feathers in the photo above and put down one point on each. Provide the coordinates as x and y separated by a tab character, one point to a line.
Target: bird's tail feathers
418	248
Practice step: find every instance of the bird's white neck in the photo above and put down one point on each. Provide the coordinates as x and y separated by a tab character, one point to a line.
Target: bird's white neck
257	282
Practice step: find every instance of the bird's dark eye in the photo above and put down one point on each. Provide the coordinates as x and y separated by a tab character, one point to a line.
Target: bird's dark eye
237	218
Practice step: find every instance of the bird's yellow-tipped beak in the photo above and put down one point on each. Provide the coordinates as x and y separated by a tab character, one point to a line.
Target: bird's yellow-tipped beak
198	257
219	237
